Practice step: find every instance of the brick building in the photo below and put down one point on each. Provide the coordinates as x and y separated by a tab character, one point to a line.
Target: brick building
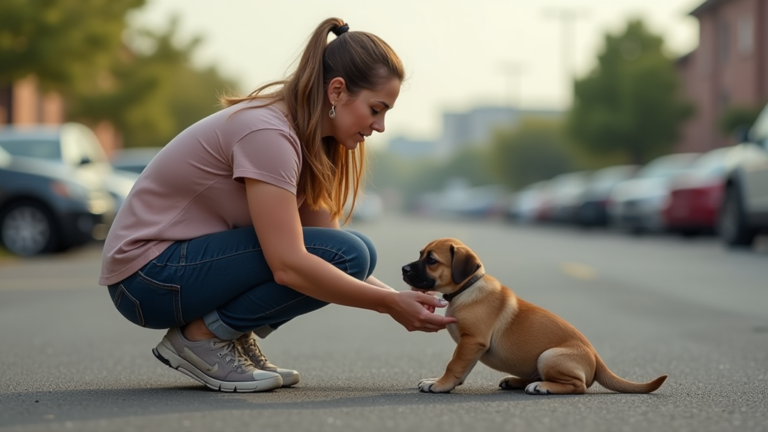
729	68
23	103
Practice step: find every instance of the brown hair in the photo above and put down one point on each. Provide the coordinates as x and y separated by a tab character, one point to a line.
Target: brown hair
364	61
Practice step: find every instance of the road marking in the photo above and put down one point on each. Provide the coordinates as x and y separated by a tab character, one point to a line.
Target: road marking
578	271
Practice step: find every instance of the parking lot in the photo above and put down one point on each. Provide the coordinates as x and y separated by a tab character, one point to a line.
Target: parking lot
650	305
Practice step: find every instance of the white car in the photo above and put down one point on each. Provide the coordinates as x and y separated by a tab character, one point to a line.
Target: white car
744	210
525	205
73	145
636	205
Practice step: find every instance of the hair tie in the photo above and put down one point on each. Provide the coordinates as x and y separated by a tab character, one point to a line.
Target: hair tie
338	31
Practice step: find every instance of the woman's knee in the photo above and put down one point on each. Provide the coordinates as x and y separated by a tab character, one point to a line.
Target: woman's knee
346	251
372	254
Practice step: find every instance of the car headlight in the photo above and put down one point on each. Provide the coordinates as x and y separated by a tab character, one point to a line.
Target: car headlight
70	190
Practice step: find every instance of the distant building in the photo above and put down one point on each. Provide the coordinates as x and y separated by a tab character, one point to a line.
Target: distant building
408	148
729	68
477	126
23	103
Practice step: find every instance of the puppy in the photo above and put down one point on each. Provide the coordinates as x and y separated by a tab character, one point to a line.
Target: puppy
542	352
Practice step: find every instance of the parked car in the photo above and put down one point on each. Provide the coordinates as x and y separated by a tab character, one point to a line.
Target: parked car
459	198
695	196
133	159
45	207
564	192
72	144
636	205
744	209
524	205
593	202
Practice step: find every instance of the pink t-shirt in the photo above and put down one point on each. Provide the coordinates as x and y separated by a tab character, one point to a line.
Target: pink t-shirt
194	186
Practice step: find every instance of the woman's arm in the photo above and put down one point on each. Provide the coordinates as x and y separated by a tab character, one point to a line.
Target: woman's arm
278	225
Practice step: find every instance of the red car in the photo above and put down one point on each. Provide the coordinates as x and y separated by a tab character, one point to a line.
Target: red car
696	196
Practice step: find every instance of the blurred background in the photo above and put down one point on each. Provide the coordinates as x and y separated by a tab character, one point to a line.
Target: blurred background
641	116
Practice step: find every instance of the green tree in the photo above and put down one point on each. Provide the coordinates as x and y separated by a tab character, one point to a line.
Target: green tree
60	42
629	105
738	118
151	95
536	150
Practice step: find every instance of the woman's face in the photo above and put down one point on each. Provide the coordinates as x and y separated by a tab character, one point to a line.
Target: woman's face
359	116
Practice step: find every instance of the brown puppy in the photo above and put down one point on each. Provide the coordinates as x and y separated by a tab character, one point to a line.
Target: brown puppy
542	352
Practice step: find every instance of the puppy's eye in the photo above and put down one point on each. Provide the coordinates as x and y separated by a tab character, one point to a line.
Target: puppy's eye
431	260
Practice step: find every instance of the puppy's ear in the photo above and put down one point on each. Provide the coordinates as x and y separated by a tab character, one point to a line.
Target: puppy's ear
464	263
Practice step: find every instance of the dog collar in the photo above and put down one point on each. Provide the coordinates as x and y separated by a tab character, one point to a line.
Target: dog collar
469	283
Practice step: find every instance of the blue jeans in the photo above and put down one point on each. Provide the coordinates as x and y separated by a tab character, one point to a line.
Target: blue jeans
224	279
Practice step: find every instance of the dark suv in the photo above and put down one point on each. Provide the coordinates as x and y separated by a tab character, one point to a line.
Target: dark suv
47	205
744	209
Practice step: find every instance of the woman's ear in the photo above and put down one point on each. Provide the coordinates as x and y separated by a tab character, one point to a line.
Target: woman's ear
337	90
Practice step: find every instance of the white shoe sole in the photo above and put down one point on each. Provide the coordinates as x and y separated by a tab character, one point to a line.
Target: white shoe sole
290	378
171	359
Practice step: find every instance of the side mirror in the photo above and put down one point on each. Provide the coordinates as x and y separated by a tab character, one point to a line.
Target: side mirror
742	134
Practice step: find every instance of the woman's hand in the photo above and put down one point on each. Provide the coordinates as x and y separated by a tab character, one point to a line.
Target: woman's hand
411	310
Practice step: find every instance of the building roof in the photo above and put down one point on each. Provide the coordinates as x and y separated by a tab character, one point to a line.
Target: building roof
707	6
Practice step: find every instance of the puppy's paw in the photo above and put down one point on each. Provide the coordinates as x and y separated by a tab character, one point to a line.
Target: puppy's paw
536	388
512	383
433	385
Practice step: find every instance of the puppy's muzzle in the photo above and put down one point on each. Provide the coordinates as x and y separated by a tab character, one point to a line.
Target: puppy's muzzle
414	276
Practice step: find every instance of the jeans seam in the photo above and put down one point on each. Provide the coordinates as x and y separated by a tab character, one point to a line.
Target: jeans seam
282	306
136	304
118	294
176	294
184	263
183	253
157	284
346	261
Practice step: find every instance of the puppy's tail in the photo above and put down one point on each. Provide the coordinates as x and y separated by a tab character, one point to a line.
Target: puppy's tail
611	381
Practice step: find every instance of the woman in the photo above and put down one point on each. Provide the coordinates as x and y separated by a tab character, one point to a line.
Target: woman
232	230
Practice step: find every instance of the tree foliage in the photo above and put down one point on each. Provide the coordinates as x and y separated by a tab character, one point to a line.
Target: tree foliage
85	51
630	104
738	118
61	42
152	95
536	150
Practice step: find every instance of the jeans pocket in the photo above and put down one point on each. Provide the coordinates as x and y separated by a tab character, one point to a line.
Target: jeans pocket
149	303
126	304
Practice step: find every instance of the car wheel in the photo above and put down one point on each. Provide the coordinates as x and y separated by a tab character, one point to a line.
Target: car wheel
27	228
732	224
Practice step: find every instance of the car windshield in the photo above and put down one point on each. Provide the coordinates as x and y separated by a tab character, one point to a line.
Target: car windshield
40	149
668	166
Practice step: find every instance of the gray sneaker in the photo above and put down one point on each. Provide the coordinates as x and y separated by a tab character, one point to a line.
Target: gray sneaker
251	349
217	363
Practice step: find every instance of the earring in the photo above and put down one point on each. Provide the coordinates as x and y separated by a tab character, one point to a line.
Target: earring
332	113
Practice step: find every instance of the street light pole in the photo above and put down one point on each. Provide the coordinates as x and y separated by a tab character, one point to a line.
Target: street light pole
567	18
512	72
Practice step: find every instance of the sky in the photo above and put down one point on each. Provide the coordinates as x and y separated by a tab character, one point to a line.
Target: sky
458	54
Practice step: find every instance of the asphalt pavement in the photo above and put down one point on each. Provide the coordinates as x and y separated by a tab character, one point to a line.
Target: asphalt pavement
650	305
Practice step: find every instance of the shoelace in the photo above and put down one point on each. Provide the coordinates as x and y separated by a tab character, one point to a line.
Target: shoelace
254	352
231	355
